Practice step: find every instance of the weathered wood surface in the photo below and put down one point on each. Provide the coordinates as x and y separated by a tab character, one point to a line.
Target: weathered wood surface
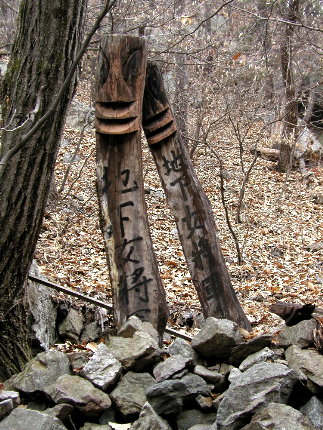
189	204
136	284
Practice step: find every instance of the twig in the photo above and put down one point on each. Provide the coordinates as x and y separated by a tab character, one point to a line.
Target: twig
9	6
61	92
86	124
79	174
227	217
280	20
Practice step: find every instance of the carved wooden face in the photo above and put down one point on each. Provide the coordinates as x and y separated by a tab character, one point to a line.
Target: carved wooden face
120	81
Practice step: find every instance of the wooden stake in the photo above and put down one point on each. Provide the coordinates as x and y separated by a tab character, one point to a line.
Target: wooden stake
136	284
189	204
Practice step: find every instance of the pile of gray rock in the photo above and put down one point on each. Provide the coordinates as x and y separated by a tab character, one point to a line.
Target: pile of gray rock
219	381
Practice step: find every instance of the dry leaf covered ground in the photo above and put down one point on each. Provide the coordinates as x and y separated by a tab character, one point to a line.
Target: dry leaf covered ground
280	220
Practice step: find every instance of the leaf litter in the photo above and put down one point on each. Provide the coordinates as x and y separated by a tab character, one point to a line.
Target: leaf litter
280	214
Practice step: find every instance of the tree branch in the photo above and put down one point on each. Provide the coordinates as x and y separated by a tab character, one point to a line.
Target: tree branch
9	6
61	92
196	28
280	20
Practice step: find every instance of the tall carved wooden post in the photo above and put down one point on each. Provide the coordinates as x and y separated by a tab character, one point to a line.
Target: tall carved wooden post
189	204
136	284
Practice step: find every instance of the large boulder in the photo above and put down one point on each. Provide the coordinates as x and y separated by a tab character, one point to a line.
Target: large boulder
130	394
137	353
148	419
23	419
42	371
276	416
262	383
168	396
103	370
79	393
216	339
309	365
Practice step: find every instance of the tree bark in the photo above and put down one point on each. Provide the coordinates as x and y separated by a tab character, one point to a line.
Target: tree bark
291	106
47	40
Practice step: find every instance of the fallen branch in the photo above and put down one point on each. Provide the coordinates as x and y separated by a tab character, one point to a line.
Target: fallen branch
266	153
96	302
294	313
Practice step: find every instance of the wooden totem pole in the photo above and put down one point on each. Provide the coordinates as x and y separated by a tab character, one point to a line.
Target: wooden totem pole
189	204
135	279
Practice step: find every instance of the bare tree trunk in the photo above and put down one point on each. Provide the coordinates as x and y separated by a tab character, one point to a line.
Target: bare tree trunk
47	40
291	107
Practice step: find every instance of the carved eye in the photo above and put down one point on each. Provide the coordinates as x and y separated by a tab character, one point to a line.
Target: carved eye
104	67
131	66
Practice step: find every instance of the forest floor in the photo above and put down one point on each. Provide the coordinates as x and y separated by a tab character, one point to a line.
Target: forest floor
281	222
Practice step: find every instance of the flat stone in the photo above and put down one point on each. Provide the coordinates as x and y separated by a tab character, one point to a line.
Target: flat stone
93	426
149	420
61	411
79	393
202	427
183	348
242	351
300	334
313	409
172	365
134	324
308	364
12	395
23	419
187	419
265	354
137	353
103	370
215	378
6	406
42	371
168	396
276	416
216	339
254	388
130	394
78	359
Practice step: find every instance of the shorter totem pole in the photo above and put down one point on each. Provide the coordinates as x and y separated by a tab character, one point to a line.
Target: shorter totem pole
136	285
189	204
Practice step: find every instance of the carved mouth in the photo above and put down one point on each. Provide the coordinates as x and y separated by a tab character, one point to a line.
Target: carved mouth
117	117
159	127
